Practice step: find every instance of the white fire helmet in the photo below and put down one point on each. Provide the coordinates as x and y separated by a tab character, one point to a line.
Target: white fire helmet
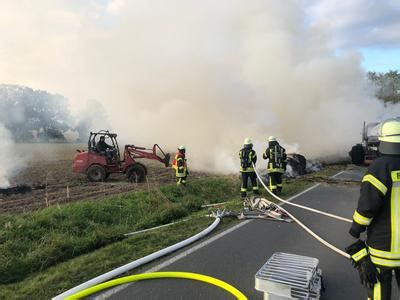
247	141
272	139
390	131
181	147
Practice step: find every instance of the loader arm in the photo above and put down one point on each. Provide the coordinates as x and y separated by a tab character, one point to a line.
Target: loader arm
156	153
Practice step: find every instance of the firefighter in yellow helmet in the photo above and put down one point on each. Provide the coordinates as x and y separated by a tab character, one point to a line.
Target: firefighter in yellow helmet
378	213
248	157
276	156
180	166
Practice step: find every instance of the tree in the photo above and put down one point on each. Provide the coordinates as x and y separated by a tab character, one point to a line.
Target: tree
33	114
388	85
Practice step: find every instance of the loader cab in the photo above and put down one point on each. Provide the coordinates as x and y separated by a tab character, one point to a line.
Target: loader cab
110	139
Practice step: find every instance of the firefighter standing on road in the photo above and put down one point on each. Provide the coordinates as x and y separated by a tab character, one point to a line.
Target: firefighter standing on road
378	212
276	156
180	166
248	157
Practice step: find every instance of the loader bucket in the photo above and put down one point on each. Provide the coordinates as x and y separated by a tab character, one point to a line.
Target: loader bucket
166	159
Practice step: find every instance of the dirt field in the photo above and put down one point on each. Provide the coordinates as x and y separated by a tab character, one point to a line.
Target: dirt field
50	165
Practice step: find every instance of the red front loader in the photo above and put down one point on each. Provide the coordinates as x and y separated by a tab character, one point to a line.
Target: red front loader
99	165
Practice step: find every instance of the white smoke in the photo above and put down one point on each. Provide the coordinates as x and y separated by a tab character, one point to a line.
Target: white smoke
9	161
201	73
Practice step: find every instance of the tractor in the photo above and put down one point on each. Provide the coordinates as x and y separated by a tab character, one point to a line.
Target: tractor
367	151
99	165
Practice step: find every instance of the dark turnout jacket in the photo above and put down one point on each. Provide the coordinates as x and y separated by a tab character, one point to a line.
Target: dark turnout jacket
102	146
378	211
277	158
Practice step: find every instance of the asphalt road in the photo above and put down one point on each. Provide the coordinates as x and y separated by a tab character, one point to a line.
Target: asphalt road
237	256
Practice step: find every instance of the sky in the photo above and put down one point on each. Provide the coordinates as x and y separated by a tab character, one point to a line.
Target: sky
369	27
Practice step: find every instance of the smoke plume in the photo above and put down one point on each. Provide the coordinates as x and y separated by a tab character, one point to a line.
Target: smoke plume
9	162
205	74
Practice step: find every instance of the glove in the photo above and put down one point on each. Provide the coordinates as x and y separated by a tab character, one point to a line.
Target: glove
368	273
360	259
357	251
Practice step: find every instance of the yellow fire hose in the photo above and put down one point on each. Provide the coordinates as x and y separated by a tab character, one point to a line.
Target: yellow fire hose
158	275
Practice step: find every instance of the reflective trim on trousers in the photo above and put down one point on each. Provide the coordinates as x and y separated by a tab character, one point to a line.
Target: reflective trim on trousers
181	181
377	291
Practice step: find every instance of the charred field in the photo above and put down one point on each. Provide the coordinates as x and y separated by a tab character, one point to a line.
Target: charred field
46	178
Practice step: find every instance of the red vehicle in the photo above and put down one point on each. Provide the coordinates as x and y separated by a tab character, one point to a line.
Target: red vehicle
98	166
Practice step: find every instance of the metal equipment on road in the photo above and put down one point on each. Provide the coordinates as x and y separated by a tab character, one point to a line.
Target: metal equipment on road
256	207
260	208
289	276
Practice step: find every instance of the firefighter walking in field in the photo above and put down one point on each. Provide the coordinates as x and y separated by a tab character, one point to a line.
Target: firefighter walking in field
180	166
276	156
248	157
378	213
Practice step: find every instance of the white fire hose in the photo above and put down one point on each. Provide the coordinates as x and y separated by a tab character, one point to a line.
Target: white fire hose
317	237
298	205
141	261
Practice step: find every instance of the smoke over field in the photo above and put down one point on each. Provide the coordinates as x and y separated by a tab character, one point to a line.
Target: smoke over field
201	73
10	161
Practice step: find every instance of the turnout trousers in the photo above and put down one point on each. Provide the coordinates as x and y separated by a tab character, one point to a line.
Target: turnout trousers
383	289
181	180
254	183
275	181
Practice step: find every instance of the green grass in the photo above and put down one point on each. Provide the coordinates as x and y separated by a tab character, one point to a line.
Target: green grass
46	252
65	275
36	241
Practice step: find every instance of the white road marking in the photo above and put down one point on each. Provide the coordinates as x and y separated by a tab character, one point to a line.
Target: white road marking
340	173
301	193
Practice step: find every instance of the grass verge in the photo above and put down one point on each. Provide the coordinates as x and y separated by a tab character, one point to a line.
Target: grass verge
46	252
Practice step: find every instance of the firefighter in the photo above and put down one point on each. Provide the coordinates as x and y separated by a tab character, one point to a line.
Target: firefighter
248	157
276	156
102	146
180	166
378	213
